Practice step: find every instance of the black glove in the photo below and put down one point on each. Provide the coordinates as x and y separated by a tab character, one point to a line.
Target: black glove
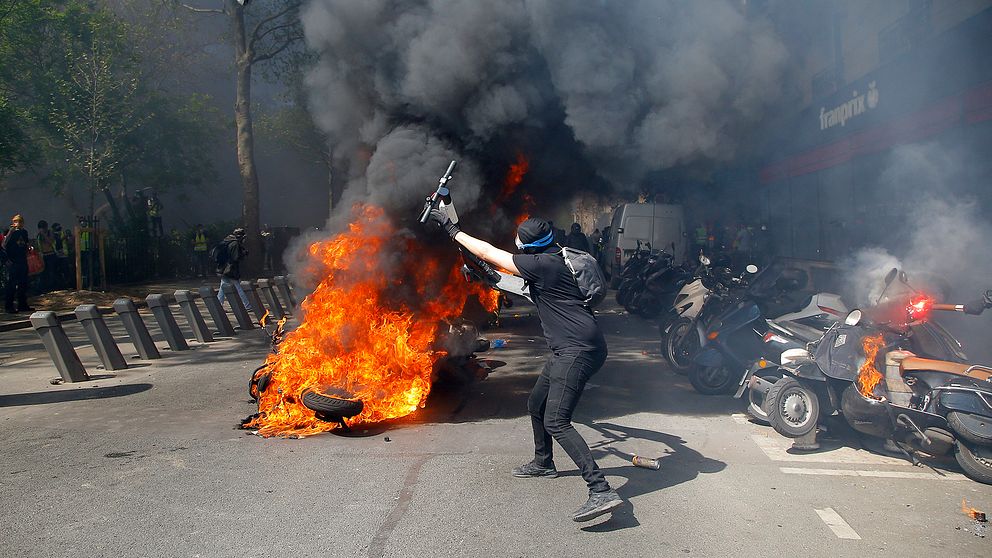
988	298
440	217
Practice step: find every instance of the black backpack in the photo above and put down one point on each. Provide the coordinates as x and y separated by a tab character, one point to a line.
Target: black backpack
588	276
219	254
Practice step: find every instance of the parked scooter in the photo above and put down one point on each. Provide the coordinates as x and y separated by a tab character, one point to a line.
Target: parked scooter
939	405
661	283
630	274
735	339
709	290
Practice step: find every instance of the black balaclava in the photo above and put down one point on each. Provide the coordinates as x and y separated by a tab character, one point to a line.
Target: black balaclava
535	236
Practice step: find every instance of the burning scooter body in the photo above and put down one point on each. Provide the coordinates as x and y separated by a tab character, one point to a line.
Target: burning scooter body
939	405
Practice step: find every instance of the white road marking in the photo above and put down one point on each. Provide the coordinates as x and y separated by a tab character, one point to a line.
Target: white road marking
837	524
740	418
874	474
776	448
21	361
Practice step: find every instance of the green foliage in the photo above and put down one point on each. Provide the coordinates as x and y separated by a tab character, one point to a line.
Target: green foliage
81	100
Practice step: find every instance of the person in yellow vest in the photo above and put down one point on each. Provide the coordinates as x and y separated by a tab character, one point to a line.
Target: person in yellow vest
200	247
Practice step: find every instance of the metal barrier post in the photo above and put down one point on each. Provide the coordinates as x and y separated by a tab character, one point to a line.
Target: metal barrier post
282	284
187	303
265	285
209	297
237	307
59	347
256	302
166	322
136	329
103	341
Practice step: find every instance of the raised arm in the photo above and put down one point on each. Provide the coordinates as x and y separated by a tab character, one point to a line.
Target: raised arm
479	248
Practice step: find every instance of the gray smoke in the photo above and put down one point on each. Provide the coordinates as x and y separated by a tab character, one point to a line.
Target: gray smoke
942	241
596	93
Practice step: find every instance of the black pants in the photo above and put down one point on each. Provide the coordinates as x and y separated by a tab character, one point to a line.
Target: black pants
17	285
551	404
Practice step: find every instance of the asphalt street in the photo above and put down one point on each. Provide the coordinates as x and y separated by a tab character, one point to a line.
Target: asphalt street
149	462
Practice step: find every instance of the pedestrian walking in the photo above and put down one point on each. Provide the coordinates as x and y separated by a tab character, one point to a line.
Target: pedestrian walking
228	255
15	248
63	244
578	351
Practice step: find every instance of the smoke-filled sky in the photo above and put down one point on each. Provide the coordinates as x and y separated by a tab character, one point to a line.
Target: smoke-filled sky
596	94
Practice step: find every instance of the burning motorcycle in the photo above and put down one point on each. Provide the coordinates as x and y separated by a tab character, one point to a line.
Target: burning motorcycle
939	405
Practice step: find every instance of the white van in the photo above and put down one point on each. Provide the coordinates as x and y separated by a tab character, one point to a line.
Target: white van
660	225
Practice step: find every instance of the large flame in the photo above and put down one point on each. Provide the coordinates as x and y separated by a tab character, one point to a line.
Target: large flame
368	328
868	375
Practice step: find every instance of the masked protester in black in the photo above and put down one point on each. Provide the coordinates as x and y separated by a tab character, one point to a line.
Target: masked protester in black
578	351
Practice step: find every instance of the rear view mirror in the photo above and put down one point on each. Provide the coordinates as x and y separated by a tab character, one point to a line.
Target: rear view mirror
903	277
751	268
890	276
853	318
704	260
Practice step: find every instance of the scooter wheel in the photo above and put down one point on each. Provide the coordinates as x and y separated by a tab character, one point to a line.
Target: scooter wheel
793	409
332	401
757	401
681	345
711	380
968	427
976	461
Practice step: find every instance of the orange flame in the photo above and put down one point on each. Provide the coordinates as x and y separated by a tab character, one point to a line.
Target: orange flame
868	375
265	316
971	512
514	177
357	334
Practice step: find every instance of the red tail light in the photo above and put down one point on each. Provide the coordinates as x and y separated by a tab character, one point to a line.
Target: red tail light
919	308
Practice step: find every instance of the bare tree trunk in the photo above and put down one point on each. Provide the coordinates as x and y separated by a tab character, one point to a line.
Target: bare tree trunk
246	141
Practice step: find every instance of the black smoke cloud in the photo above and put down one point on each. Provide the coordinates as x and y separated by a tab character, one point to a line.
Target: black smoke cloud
596	94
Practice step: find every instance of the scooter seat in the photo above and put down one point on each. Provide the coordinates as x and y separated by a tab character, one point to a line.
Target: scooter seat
973	371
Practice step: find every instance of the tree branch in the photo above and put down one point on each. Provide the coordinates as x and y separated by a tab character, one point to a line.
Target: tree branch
255	32
221	11
254	39
289	41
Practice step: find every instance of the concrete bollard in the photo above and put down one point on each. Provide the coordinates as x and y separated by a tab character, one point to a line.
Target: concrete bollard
238	307
265	286
103	341
166	322
187	303
256	302
59	347
209	297
282	284
136	329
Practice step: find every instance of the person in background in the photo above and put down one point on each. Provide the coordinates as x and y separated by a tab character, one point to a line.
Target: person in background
230	253
15	246
62	245
268	244
46	246
594	239
155	214
577	239
200	251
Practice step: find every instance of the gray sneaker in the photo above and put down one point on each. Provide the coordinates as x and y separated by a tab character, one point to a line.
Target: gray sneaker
598	504
533	470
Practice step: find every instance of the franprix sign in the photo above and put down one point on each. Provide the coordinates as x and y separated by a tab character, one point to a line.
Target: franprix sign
855	107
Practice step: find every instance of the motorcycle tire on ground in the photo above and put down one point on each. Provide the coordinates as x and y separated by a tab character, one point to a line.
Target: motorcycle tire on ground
976	460
757	403
959	424
681	345
793	409
711	380
255	383
332	401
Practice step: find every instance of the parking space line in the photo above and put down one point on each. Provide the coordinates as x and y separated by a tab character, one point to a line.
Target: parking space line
777	449
740	418
837	524
873	474
21	361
